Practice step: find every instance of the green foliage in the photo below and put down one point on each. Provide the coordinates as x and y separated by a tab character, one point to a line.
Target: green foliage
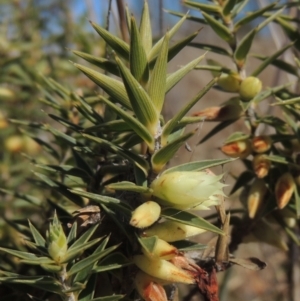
98	154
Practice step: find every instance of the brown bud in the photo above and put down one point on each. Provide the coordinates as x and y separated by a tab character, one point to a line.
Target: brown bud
284	189
250	87
261	165
261	144
222	113
241	149
256	196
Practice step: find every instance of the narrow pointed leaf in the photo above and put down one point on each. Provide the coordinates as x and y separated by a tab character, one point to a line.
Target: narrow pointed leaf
252	16
38	238
28	198
209	8
132	122
156	48
111	86
109	298
72	234
187	218
138	60
243	47
20	254
221	30
167	152
76	252
129	186
66	123
270	59
175	77
199	165
148	243
82	264
228	7
185	245
188	17
95	197
134	158
157	83
269	19
145	28
287	67
168	128
118	45
211	48
139	99
238	8
100	62
82	164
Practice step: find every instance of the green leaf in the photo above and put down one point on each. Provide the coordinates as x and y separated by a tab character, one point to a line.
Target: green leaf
145	28
238	8
252	16
28	198
82	164
139	99
211	48
109	298
20	254
172	123
209	8
291	31
175	77
38	238
95	197
157	83
72	234
75	252
228	7
112	262
132	122
38	261
156	48
132	157
236	136
148	243
186	246
291	101
243	47
217	129
66	123
190	219
221	30
45	283
138	60
270	59
62	189
88	292
129	186
188	17
277	159
167	152
297	201
84	263
289	68
110	126
111	86
100	62
198	165
118	45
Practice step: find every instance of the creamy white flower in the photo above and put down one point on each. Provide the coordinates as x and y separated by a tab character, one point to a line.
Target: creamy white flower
188	189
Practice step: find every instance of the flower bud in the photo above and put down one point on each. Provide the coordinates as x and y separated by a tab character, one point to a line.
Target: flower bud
162	250
149	287
185	189
261	165
284	189
172	231
57	241
162	269
256	196
230	82
237	149
250	87
261	144
145	215
222	113
3	122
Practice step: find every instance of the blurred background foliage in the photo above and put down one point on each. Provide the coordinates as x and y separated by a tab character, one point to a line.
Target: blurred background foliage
36	39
